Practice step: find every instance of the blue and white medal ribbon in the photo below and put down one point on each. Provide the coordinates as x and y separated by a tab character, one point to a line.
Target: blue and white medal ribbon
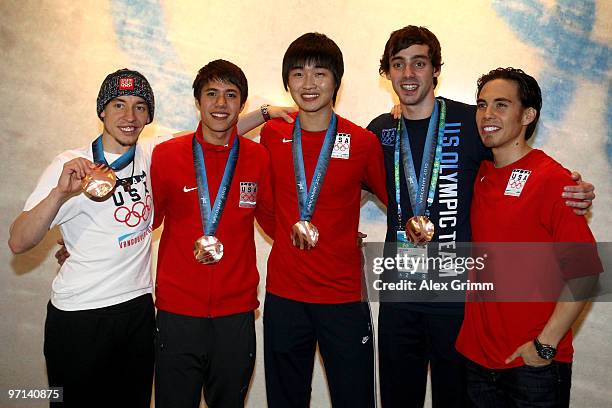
304	234
121	162
208	249
419	228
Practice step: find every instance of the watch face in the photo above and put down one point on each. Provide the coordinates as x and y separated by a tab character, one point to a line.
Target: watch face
547	352
544	350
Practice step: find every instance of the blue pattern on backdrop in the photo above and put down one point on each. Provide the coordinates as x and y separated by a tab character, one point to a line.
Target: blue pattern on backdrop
562	35
142	34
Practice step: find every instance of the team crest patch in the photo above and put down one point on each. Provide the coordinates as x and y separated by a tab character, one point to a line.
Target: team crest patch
248	194
388	137
126	84
342	146
516	182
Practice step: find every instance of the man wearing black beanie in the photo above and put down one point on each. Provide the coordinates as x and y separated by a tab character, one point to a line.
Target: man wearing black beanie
100	319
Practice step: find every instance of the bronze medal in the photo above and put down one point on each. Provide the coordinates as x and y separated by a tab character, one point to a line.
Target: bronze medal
100	182
304	235
420	229
208	250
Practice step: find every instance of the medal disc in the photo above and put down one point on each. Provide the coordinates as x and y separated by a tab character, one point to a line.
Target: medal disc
304	235
100	182
420	229
208	250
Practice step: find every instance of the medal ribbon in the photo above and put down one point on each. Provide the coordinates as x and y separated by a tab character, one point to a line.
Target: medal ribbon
98	155
210	217
429	173
307	197
436	166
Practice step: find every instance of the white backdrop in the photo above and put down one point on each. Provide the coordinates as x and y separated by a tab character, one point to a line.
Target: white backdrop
56	53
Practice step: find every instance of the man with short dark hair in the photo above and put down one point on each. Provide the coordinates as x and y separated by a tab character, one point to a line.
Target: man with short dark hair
432	155
100	319
521	352
313	290
208	187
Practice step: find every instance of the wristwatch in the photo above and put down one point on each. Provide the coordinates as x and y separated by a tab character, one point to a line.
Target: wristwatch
545	351
264	112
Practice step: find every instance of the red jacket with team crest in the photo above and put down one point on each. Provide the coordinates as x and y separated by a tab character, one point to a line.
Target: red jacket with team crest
330	272
183	285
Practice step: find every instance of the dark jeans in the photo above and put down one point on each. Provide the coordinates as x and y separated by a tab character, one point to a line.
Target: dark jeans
524	386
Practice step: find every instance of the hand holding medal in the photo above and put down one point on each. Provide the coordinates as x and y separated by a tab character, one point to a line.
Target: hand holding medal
70	181
304	234
101	181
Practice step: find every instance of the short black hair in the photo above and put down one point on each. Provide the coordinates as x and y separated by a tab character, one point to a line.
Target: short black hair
224	71
404	38
317	49
528	90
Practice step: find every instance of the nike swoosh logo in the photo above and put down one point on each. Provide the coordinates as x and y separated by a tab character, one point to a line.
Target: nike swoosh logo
186	190
287	140
365	339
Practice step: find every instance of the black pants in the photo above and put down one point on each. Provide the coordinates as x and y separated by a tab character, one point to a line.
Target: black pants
410	341
216	355
102	357
520	387
344	334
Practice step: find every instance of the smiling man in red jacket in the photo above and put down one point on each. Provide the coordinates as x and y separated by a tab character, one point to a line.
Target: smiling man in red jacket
314	296
208	188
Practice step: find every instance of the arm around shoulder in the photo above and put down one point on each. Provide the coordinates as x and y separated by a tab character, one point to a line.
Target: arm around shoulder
579	196
251	120
375	178
264	212
158	187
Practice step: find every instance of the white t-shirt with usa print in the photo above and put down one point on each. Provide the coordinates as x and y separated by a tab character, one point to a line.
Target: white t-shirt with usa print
109	241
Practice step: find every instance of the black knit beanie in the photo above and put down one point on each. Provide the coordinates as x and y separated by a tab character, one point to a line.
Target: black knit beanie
125	82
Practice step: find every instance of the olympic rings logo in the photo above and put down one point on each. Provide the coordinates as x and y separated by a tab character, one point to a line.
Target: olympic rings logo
250	197
517	184
140	211
341	146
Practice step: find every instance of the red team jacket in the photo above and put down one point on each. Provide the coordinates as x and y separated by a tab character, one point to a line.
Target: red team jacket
331	272
183	285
